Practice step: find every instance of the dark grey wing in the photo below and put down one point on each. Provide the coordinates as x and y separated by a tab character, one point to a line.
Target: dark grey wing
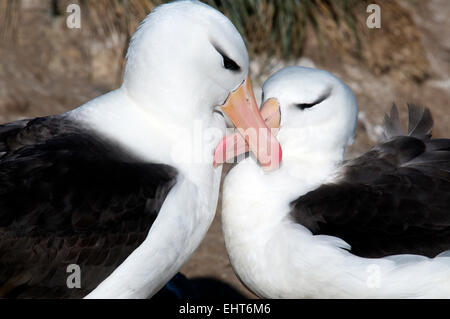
8	135
67	197
395	199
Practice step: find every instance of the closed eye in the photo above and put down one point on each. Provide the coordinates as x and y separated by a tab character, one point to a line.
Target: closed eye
304	106
228	63
323	97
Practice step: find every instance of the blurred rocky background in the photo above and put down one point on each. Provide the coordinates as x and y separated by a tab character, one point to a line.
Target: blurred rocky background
47	68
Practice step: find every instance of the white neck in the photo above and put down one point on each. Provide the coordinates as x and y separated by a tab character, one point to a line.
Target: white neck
189	207
277	258
151	134
176	233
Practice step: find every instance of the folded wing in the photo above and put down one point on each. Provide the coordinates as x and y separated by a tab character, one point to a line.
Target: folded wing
394	199
69	196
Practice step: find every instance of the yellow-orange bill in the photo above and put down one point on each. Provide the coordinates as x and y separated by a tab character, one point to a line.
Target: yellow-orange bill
236	144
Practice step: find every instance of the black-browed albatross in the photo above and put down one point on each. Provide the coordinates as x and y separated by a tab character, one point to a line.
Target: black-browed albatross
120	186
376	226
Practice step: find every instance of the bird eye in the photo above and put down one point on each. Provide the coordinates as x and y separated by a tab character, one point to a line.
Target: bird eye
228	63
304	106
323	97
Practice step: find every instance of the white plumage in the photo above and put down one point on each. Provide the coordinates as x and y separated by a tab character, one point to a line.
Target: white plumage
275	256
174	78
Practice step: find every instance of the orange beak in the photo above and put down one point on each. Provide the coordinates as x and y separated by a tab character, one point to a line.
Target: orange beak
248	120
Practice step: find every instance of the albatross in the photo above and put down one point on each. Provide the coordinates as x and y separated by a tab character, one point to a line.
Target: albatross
121	190
375	226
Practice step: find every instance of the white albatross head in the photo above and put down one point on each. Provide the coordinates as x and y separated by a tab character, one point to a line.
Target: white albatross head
186	61
309	110
317	109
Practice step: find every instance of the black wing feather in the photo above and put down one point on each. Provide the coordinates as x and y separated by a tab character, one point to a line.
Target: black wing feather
420	122
70	197
395	199
392	124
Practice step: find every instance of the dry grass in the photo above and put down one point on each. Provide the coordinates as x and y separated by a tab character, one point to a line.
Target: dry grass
9	18
262	22
274	28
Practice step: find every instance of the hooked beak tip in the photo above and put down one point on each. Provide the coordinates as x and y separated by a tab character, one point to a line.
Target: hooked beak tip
255	134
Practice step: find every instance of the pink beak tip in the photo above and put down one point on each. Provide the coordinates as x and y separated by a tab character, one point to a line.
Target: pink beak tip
273	165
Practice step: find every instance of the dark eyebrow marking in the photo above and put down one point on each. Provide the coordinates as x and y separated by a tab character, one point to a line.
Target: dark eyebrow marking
228	63
322	98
